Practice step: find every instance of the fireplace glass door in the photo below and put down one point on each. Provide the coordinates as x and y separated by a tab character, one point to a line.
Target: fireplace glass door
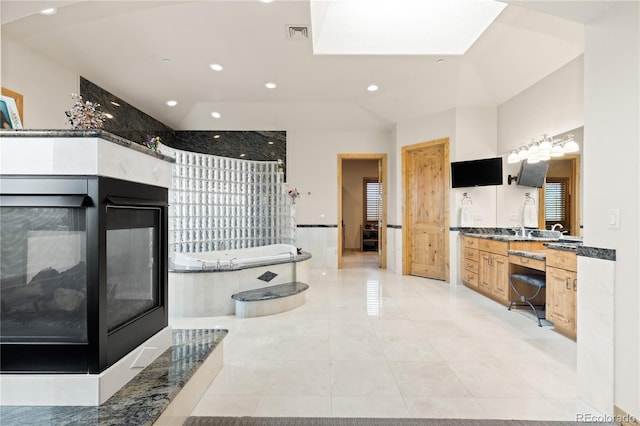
43	274
133	252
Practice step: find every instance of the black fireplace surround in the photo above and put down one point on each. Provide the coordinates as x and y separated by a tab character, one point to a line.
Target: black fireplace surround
83	271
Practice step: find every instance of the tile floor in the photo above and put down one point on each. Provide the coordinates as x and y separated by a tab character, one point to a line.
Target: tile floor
369	343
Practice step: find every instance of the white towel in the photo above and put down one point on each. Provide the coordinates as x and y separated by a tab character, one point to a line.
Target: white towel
466	216
530	216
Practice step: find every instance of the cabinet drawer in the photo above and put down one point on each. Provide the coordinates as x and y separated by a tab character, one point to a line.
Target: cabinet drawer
562	259
497	247
470	242
527	261
471	278
470	266
470	254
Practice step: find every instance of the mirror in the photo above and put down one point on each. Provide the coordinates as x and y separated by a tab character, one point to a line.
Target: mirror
560	199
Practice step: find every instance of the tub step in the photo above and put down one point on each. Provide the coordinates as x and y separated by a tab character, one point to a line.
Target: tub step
270	300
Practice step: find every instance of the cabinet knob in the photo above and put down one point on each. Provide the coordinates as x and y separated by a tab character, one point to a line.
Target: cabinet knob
575	284
566	284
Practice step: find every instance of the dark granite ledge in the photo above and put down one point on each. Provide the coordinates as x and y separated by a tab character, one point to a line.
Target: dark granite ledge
562	246
597	253
139	402
539	255
272	292
79	133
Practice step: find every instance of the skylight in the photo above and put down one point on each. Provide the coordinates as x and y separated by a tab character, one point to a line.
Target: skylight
394	27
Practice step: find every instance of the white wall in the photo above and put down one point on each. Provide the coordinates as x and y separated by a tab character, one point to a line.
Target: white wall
46	86
554	105
312	168
612	87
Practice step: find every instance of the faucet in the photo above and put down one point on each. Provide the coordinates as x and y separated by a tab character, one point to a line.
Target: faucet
518	225
559	225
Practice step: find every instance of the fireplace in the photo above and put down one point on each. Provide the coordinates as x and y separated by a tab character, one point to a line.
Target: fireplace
83	271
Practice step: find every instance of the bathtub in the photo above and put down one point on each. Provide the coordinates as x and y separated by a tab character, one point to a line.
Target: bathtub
201	284
236	259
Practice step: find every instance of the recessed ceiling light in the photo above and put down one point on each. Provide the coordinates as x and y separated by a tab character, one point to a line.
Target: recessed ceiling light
216	136
270	142
266	1
166	60
372	88
270	85
50	11
108	115
242	155
216	67
172	103
439	61
114	104
216	114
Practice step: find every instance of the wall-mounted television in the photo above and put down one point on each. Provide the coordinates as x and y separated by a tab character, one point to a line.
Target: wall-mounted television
483	172
533	174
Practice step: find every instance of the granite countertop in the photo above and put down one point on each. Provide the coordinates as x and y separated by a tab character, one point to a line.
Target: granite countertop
139	402
532	254
80	133
563	246
499	237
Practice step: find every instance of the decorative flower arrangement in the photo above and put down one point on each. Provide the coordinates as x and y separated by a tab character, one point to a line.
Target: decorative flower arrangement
293	194
152	142
85	115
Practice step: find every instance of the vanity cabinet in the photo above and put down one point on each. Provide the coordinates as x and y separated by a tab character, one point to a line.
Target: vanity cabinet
494	271
485	265
562	287
469	258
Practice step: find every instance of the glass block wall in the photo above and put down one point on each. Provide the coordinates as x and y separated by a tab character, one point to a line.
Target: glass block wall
219	203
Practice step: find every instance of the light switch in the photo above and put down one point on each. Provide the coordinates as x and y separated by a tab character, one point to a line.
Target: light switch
614	219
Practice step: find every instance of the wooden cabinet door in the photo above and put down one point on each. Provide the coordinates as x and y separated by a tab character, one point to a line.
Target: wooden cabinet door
486	274
500	288
561	300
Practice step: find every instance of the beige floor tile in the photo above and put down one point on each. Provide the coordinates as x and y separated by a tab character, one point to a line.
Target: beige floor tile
428	379
227	406
447	408
372	407
299	378
522	409
293	406
362	378
372	343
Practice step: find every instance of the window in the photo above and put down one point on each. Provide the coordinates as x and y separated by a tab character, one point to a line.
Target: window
372	200
556	202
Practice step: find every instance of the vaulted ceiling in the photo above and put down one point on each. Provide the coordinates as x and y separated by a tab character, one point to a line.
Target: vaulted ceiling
147	52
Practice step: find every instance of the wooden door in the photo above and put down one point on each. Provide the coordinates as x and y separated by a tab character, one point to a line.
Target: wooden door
426	173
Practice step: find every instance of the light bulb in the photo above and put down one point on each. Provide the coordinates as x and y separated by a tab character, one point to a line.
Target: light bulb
523	153
570	146
513	157
546	143
556	151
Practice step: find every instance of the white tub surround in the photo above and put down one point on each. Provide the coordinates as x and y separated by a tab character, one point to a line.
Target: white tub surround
205	282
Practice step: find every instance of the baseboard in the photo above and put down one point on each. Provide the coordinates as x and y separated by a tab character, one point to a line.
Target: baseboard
623	418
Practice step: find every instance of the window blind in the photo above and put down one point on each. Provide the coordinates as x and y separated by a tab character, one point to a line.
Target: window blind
555	197
373	202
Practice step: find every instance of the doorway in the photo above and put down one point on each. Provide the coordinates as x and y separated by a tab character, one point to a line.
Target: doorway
362	207
425	172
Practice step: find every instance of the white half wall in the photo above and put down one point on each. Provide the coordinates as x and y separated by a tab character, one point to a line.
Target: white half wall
612	179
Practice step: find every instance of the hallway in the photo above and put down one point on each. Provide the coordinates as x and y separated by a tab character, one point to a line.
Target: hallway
369	343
